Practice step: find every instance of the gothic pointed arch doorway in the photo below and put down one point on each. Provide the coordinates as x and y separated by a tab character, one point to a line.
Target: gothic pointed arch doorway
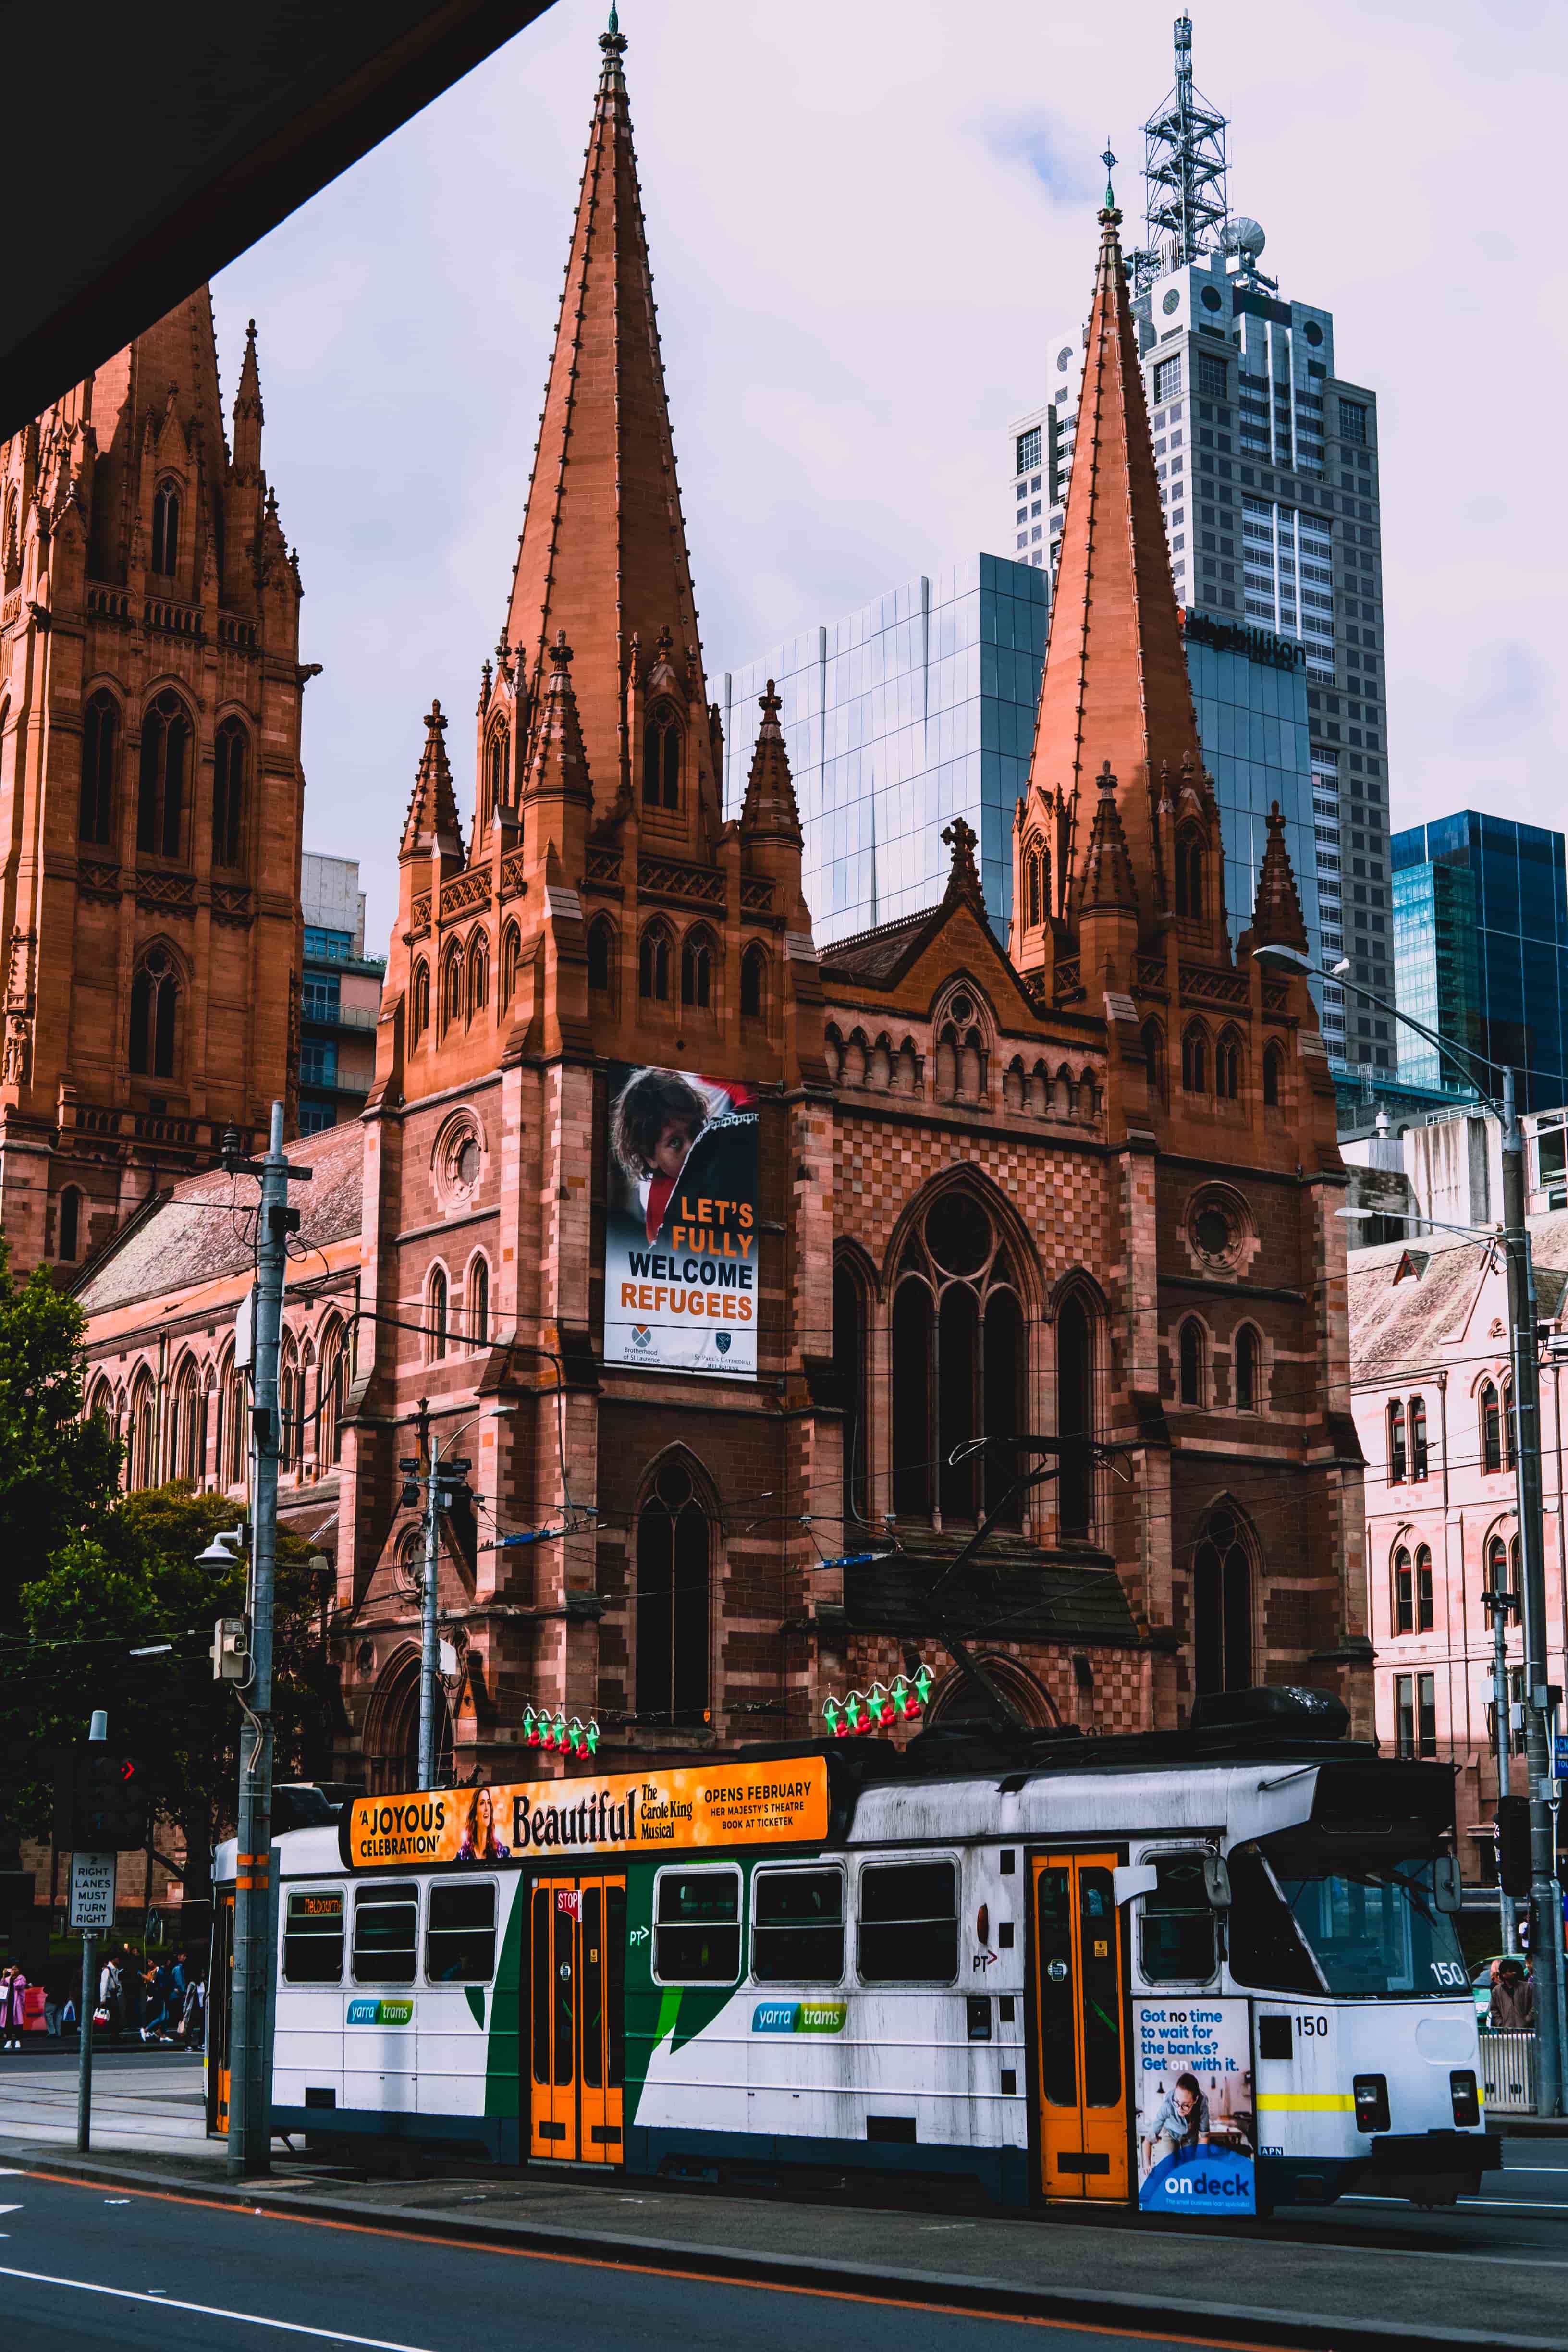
392	1728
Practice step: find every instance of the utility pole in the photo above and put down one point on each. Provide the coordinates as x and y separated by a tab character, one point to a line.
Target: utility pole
445	1484
1498	1600
250	2056
98	1733
1539	1705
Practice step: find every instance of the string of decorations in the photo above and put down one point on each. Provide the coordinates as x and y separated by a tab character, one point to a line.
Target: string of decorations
905	1700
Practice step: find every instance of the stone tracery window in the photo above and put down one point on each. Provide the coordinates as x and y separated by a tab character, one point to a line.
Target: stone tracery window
960	1361
1190	872
166	529
154	1009
100	762
1222	1605
661	758
231	760
166	737
673	1566
697	967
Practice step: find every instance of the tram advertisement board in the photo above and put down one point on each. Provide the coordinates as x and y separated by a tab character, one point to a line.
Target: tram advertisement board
680	1232
624	1813
1193	2065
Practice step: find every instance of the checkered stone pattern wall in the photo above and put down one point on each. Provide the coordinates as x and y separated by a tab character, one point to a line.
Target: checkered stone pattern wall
1067	1198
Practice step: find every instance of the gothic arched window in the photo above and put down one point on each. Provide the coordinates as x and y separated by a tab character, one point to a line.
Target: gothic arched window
435	1318
1227	1066
154	1006
1403	1593
1222	1606
1190	874
1191	1357
100	758
1510	1432
186	1436
1424	1597
510	961
479	973
1033	900
849	1354
1417	1440
1075	1414
70	1223
753	983
330	1384
419	1019
1196	1059
480	1302
166	529
672	1608
141	1467
231	763
697	967
959	1362
452	986
234	1443
1153	1045
653	964
1273	1075
601	951
165	757
661	758
497	773
1491	1427
1247	1355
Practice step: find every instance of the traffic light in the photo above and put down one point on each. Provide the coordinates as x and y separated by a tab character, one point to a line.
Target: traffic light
110	1808
1513	1845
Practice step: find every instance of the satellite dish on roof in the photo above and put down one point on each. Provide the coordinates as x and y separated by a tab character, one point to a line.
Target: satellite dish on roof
1243	234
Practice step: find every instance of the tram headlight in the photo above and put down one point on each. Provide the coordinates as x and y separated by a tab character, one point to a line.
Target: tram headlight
1466	2098
1371	2102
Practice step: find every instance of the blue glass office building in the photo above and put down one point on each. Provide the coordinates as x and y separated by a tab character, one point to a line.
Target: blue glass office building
921	707
1481	947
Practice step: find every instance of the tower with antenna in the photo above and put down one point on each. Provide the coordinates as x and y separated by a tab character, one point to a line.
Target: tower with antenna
1185	196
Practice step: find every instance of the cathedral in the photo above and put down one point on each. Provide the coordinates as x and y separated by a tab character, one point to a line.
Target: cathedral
734	1270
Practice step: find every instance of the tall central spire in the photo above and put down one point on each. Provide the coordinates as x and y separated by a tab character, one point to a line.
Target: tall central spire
1115	689
603	553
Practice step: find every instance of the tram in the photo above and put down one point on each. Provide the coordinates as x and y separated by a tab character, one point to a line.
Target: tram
1191	1972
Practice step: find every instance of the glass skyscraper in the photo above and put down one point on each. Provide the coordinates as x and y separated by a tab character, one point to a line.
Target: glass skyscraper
917	708
921	707
1481	943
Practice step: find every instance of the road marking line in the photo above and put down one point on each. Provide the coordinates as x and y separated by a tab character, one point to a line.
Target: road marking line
211	2310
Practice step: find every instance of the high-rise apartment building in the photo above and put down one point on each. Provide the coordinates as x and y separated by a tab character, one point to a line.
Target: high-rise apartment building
1480	933
917	709
1267	462
339	1001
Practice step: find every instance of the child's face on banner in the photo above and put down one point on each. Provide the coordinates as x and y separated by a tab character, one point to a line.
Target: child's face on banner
675	1141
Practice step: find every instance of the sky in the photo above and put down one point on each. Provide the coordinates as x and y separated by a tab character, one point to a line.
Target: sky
866	222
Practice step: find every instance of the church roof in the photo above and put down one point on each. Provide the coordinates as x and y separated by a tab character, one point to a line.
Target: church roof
1115	686
202	1230
603	554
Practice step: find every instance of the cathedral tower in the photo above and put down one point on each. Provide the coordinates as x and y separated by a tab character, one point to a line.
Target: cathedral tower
151	791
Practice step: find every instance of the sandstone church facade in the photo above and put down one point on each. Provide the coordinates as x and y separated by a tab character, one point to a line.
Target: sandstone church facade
1085	1187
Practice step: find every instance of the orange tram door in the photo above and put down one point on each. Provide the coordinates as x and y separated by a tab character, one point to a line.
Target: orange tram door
578	1946
1081	2069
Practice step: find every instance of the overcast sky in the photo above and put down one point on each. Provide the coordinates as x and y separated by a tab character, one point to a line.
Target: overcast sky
866	219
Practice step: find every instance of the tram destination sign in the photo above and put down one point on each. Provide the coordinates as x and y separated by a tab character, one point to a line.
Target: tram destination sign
624	1813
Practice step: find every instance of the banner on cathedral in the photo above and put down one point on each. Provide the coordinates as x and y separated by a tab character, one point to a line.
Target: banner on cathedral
681	1242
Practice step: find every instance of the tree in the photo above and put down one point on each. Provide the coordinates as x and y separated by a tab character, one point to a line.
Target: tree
131	1582
59	1474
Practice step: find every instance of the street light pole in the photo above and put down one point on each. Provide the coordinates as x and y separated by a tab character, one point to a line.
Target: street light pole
1545	1897
444	1481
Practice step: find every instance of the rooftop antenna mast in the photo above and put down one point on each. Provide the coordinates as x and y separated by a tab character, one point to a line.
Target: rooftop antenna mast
1186	200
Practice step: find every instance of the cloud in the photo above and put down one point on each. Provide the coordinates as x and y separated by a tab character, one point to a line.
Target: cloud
869	229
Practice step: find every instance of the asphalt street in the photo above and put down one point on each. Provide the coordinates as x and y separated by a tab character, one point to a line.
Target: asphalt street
85	2271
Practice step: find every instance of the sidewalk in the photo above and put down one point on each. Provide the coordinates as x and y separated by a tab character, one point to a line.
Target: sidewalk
1292	2285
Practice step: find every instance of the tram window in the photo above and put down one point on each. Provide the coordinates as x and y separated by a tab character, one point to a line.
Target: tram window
313	1938
1176	1942
1261	1940
697	1927
797	1926
909	1922
387	1926
461	1933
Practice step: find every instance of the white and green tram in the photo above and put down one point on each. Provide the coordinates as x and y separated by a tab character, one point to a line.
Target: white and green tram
1209	1969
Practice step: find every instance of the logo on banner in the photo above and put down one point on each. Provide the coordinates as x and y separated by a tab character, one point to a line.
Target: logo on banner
799	2016
381	2013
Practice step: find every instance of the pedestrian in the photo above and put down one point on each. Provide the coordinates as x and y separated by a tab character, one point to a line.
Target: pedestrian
111	1999
13	2008
190	2025
52	2004
1512	2006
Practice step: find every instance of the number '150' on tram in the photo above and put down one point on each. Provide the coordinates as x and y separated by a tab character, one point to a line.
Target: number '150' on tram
1189	1972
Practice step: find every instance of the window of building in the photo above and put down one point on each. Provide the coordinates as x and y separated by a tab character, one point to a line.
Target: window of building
673	1601
154	1005
697	968
601	950
165	756
1028	450
1190	874
452	985
420	1018
166	529
1352	420
70	1223
1424	1597
435	1319
1491	1428
319	1062
320	996
497	773
696	1926
958	1360
1191	1352
753	983
99	761
1075	1414
653	964
1417	1439
1167	379
322	946
1509	1429
909	1922
1195	1060
1397	1460
479	974
1416	1714
231	756
479	1303
1221	1607
511	959
797	1926
1213	375
661	758
849	1355
1247	1370
1227	1066
1403	1593
1273	1075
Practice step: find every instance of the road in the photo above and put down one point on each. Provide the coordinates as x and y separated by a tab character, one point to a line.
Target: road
84	2271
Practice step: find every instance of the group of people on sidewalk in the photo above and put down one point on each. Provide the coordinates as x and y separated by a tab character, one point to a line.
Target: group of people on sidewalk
162	2002
1511	2008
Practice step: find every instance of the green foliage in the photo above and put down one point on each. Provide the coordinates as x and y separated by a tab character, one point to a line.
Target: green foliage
59	1474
